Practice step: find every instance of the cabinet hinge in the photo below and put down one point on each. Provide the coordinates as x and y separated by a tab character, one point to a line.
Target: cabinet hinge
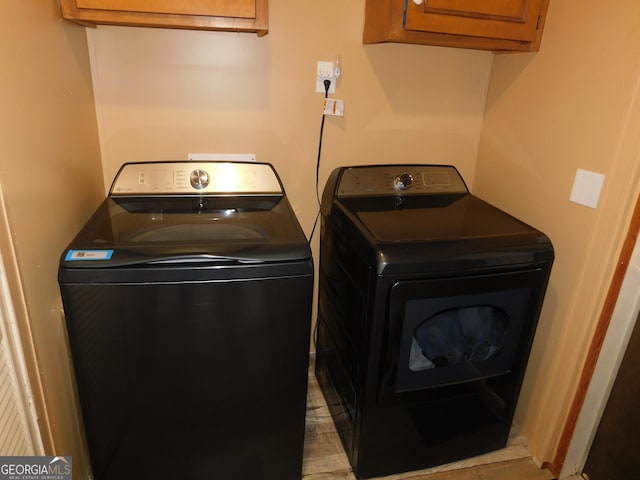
539	22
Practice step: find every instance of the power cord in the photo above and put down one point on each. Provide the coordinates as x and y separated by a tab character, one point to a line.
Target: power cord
327	85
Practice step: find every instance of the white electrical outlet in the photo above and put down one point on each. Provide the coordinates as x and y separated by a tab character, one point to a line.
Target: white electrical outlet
325	69
325	72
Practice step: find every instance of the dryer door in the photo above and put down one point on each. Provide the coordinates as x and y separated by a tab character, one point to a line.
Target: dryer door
455	330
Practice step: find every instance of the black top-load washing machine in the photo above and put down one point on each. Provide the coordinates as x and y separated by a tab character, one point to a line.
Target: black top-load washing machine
187	298
428	302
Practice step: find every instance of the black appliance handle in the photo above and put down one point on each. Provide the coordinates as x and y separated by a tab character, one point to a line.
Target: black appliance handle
202	258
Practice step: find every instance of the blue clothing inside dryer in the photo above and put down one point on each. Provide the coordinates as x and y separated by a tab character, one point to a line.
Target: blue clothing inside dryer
472	334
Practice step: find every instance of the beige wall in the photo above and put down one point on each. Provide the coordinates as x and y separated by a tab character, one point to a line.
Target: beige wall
51	176
162	94
570	106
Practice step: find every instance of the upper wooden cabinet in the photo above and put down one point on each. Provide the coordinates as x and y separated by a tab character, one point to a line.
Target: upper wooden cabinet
499	25
232	15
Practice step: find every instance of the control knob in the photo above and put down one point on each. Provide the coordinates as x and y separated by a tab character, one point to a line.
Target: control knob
199	179
403	181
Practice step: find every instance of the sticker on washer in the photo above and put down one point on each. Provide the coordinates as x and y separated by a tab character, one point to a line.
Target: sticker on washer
88	255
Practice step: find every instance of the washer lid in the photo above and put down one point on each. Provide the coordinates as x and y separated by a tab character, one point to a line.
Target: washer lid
137	230
183	212
254	223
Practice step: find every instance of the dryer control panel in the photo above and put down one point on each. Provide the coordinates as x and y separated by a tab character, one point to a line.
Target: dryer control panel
196	178
394	180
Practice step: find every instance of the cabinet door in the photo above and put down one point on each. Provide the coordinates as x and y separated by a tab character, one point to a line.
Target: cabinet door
220	8
504	19
230	15
498	25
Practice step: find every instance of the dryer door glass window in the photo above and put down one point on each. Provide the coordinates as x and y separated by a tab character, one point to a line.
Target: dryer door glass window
458	335
455	330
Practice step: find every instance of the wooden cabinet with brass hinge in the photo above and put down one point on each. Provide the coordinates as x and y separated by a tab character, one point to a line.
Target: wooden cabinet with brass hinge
228	15
498	25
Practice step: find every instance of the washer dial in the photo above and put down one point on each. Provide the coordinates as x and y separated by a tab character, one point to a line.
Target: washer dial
199	179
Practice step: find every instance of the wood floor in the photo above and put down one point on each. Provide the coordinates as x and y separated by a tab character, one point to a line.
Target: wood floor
324	458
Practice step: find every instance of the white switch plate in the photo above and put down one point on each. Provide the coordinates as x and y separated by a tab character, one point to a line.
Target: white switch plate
586	188
230	157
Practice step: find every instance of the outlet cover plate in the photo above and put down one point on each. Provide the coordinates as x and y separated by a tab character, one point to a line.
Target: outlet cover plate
325	72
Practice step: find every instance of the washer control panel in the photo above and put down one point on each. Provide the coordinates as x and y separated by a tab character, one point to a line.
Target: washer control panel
381	180
196	178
